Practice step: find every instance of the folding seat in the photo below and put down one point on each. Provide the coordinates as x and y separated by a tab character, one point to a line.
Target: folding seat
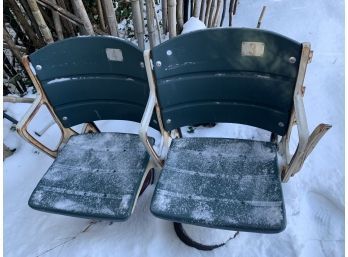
81	80
234	75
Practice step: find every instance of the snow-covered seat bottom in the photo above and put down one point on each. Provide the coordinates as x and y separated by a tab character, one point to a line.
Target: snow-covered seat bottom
221	183
94	176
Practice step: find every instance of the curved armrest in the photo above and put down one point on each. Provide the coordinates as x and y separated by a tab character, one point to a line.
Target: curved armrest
39	101
307	141
22	126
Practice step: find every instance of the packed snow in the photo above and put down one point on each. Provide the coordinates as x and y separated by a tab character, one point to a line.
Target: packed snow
314	198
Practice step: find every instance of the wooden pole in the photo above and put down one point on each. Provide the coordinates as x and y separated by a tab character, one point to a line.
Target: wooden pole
137	23
45	31
12	45
217	13
141	4
62	12
207	12
165	16
110	17
57	23
27	10
157	22
223	13
80	11
172	18
261	17
66	22
150	23
197	9
211	13
179	15
101	15
24	23
186	10
231	11
203	8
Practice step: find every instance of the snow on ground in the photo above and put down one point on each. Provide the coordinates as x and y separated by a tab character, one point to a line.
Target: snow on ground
314	197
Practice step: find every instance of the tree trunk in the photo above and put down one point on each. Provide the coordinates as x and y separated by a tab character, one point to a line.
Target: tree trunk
110	17
80	11
46	33
24	23
150	24
138	23
165	16
172	18
57	23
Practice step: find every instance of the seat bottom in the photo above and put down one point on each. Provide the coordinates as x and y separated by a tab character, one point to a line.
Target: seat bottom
94	176
221	183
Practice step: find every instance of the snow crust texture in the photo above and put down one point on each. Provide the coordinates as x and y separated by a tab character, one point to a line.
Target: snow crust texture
94	176
222	183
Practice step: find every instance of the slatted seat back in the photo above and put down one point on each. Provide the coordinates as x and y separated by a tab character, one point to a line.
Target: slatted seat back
244	76
93	78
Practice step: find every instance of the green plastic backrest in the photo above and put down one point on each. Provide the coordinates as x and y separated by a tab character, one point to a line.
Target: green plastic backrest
235	75
93	78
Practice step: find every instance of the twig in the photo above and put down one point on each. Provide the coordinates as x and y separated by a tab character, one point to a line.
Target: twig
70	239
261	17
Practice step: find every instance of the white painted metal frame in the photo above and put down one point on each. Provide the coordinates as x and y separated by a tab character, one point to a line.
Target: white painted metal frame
307	141
151	105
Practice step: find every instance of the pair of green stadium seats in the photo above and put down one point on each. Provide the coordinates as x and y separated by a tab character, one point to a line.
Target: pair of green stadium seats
245	76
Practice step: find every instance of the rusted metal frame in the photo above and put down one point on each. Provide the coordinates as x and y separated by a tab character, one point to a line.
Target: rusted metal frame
39	101
307	141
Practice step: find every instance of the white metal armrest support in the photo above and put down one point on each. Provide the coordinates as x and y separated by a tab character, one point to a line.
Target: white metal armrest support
307	141
39	101
151	105
145	121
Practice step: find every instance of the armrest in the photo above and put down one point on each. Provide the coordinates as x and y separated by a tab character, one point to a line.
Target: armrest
145	121
22	126
39	101
307	141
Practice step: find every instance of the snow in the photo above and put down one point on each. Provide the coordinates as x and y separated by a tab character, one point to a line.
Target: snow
314	197
193	24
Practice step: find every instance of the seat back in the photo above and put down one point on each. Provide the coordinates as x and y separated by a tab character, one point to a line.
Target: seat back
93	78
244	76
